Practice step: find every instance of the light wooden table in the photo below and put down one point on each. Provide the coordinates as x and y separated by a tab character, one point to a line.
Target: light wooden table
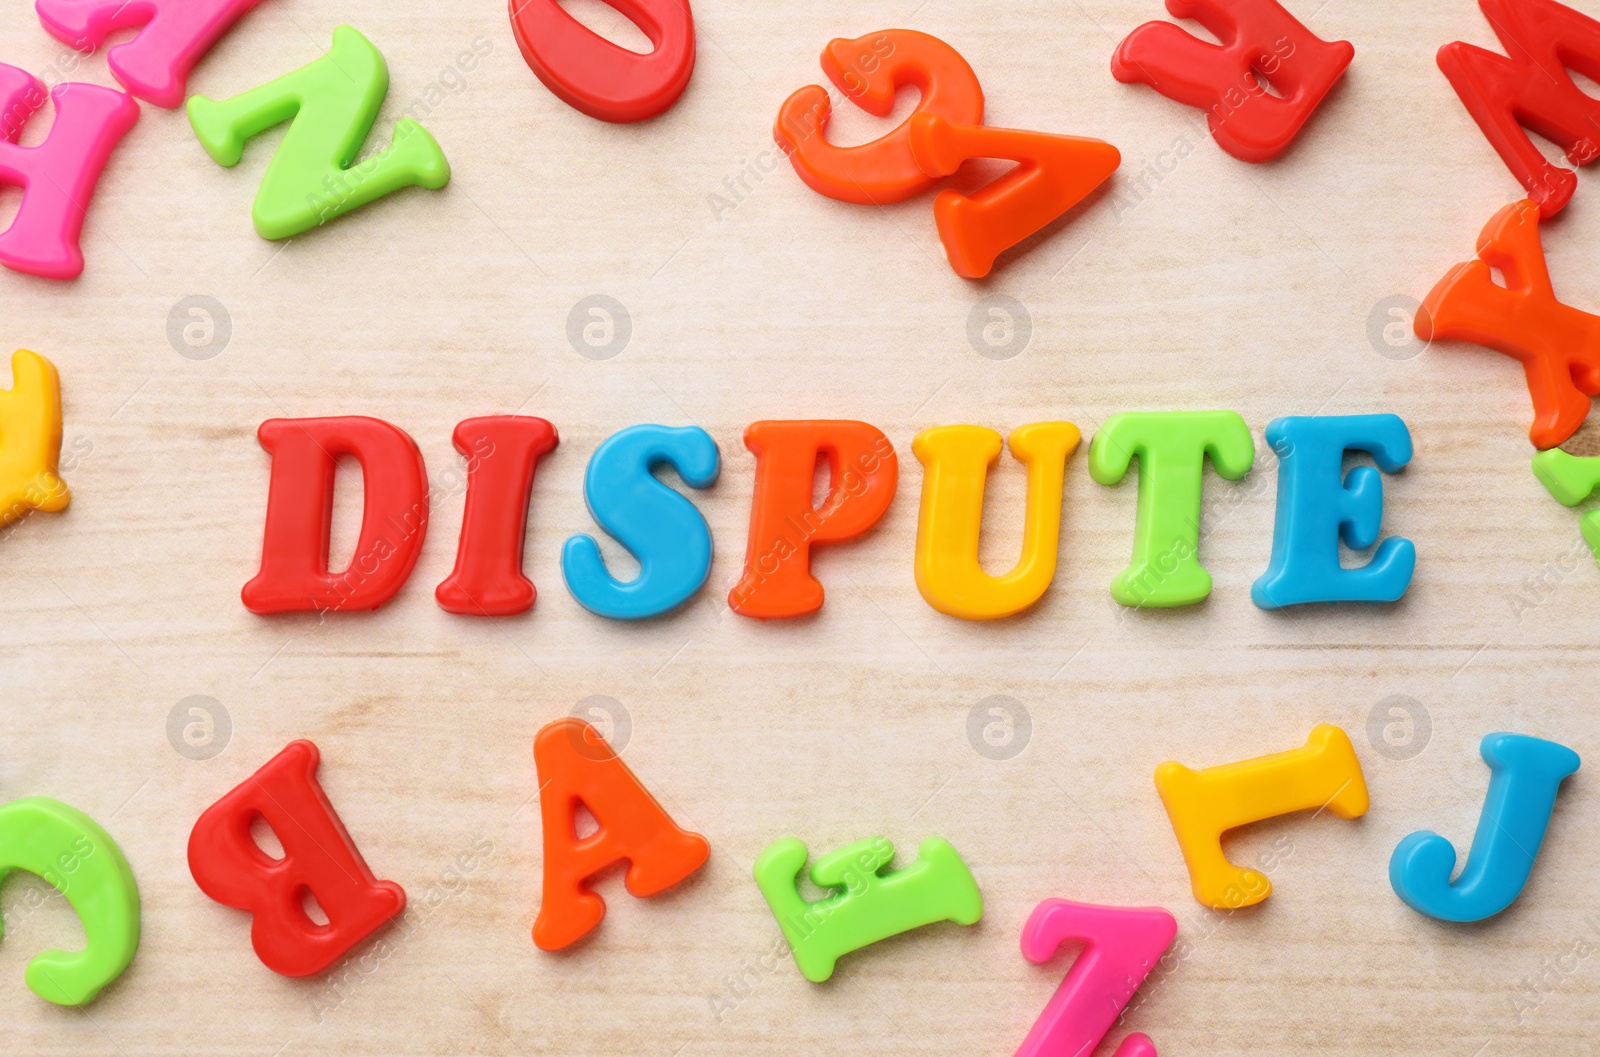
1214	284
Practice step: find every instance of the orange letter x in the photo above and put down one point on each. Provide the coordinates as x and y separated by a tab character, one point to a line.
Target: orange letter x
1559	345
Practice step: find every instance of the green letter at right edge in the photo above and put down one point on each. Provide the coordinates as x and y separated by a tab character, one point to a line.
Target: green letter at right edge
1571	479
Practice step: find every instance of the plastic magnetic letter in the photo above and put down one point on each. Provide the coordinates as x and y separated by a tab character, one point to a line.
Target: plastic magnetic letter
1171	447
319	860
294	550
1323	774
1260	40
69	849
1558	345
155	64
868	70
595	76
870	905
1120	947
331	104
784	524
1053	174
1316	509
502	453
1532	89
30	439
576	767
58	176
659	527
1525	774
956	461
1572	479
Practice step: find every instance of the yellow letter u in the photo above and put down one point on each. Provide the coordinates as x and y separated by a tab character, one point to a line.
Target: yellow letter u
956	461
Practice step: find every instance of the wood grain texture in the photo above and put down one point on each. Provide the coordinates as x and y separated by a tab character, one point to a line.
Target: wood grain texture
1213	285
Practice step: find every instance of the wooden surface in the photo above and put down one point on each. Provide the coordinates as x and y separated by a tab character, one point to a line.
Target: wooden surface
1196	281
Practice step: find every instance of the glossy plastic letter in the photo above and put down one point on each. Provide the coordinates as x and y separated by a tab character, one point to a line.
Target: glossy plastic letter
1171	447
30	439
1319	505
1053	174
1532	89
595	76
1571	479
870	905
784	524
659	527
1525	774
956	461
1120	947
502	453
1260	39
173	36
330	104
868	70
1323	774
1557	345
294	551
58	176
319	859
69	849
576	767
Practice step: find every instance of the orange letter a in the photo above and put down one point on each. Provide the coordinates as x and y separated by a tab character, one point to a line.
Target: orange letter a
576	766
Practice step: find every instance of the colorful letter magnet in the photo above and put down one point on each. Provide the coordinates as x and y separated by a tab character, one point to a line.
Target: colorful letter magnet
1120	947
30	439
662	529
956	461
1053	173
319	859
173	36
1323	774
1259	38
1571	479
869	70
58	176
1557	345
785	524
1319	505
69	849
1532	88
1171	447
502	452
577	768
330	104
870	904
294	572
1525	774
595	76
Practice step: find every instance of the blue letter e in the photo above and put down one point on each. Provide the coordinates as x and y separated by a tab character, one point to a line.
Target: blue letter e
1317	507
